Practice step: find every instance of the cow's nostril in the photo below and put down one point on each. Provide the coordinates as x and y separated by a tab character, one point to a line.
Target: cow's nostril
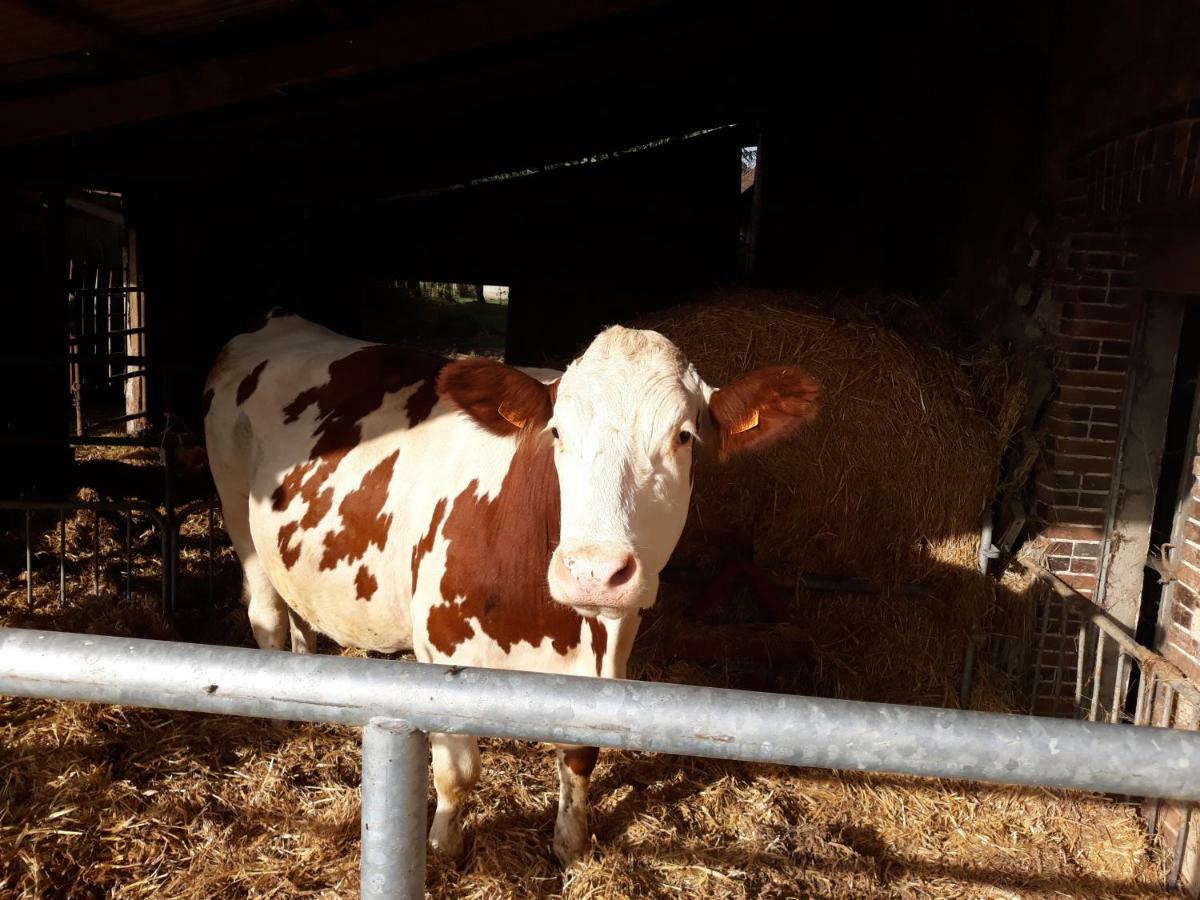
625	573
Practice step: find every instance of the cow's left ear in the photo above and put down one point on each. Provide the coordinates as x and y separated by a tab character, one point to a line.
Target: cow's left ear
500	398
762	407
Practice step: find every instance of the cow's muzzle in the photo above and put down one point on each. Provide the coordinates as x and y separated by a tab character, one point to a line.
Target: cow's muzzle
598	579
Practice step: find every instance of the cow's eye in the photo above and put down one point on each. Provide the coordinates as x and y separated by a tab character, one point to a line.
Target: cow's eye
554	432
684	437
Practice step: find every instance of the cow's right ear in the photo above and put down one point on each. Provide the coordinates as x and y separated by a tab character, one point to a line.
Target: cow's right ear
500	398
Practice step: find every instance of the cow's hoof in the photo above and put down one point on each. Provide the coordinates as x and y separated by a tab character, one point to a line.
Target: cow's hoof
571	845
448	845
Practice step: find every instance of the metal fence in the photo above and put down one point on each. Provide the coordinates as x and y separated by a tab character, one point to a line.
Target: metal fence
126	512
1117	680
398	703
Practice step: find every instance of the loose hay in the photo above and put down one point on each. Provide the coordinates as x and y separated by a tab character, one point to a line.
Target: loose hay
113	802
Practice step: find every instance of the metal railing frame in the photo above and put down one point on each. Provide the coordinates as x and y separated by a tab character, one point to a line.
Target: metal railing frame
399	703
127	509
1162	691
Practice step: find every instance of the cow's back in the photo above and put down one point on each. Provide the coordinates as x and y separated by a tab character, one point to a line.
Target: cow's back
337	453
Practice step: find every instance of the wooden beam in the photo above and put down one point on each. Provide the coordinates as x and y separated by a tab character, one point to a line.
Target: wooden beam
388	44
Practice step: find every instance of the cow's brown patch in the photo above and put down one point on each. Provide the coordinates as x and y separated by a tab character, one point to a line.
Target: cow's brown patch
287	552
425	544
365	584
422	402
206	402
498	556
363	520
356	388
249	384
762	407
581	760
599	640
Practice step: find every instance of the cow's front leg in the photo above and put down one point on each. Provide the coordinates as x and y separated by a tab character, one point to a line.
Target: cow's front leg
572	837
455	771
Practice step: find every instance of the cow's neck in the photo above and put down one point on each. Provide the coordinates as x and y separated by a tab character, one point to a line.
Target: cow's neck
498	554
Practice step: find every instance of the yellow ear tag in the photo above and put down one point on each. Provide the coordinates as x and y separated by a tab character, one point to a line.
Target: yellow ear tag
751	422
511	415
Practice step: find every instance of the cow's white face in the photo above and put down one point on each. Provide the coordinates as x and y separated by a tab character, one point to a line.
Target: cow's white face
627	417
626	422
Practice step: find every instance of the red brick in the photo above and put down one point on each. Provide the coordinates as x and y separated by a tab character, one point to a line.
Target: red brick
1081	345
1059	428
1059	563
1072	447
1083	566
1060	548
1099	241
1085	329
1080	582
1110	415
1109	380
1112	363
1188	577
1075	516
1066	412
1098	312
1098	432
1116	348
1086	549
1124	279
1079	363
1073	533
1096	482
1191	531
1090	396
1056	498
1085	465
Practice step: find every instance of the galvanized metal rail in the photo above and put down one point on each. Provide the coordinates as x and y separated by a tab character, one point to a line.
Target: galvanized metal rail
395	701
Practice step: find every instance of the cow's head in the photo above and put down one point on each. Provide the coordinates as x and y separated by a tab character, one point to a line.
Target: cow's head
627	421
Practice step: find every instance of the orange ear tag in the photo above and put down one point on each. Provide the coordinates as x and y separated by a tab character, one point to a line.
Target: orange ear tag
511	415
751	422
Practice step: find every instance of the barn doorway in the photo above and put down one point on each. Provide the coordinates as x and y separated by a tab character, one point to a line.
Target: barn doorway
1171	506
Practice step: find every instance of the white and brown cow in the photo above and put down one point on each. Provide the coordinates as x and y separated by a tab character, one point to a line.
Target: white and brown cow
478	514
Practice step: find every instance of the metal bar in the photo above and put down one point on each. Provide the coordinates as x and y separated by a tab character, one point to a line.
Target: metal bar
119	289
1093	712
394	785
664	718
1166	672
115	420
1152	820
210	557
93	339
1180	850
1080	652
62	558
96	554
128	555
125	376
1144	688
28	560
1118	701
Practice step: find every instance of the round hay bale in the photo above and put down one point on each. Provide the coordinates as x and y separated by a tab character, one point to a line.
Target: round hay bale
891	481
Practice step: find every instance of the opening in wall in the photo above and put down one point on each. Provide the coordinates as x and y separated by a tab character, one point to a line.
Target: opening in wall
1175	479
446	317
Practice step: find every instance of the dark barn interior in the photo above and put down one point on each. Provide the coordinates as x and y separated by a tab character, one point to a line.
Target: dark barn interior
1027	173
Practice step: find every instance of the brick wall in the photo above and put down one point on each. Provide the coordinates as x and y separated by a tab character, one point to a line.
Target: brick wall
1099	303
1181	636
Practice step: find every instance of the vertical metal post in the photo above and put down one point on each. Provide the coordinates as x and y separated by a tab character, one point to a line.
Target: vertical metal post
62	559
210	557
128	554
395	774
1118	701
28	560
1096	672
96	554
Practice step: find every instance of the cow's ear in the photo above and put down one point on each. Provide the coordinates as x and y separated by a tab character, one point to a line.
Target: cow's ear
762	407
502	399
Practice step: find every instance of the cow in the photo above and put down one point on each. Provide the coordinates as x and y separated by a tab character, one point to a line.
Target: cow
471	512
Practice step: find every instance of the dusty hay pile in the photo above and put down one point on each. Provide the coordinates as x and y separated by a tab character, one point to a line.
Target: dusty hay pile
889	484
111	802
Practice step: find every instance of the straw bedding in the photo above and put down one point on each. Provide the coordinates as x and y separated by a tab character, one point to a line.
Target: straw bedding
100	802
